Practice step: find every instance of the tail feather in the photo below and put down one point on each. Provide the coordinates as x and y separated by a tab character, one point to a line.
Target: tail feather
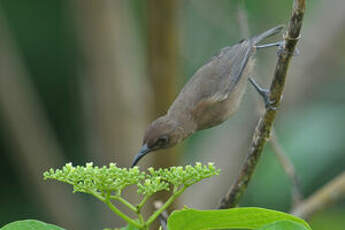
266	34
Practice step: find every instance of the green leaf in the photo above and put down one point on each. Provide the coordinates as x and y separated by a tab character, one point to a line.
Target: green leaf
30	225
240	218
284	225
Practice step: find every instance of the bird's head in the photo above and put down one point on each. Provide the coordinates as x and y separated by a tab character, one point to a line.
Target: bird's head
161	134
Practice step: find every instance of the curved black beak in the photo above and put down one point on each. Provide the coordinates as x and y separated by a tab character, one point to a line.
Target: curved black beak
144	150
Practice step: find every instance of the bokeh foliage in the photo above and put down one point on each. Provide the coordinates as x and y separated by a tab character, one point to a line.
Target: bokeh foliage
310	124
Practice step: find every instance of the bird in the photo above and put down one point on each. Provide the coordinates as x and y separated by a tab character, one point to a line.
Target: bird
211	96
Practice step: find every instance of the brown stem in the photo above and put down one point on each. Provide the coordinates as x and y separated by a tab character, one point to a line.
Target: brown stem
324	197
288	167
263	128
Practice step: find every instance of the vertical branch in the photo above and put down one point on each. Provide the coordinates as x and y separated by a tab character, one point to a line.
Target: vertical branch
284	161
263	128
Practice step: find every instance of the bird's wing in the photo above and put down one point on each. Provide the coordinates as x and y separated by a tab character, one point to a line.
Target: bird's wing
216	80
234	61
213	83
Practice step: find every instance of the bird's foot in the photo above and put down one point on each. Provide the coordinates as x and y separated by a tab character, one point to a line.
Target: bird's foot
265	93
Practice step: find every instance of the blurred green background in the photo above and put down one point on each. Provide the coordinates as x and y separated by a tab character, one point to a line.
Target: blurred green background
81	80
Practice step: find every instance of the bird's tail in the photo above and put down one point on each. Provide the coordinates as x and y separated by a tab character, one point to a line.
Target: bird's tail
266	34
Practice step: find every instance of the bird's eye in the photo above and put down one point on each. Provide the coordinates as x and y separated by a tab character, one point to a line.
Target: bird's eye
163	140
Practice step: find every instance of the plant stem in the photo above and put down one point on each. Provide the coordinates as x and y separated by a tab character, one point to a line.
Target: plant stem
107	201
141	204
165	205
141	218
138	209
125	202
121	214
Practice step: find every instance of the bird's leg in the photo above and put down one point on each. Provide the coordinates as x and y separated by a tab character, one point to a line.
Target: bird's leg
279	44
265	93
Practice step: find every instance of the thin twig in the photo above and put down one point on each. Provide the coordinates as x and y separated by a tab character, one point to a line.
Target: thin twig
329	194
263	128
289	169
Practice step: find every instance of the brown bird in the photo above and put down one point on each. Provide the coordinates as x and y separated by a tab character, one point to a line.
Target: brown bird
209	98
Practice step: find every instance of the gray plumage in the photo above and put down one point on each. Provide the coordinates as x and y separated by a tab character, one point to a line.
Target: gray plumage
209	98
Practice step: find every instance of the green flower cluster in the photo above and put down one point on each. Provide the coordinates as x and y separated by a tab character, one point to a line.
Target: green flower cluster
108	182
90	179
179	176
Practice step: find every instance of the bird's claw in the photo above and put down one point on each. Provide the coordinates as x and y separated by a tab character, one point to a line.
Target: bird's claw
265	93
269	104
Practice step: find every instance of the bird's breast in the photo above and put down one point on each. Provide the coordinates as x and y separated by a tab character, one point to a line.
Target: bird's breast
214	110
211	113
